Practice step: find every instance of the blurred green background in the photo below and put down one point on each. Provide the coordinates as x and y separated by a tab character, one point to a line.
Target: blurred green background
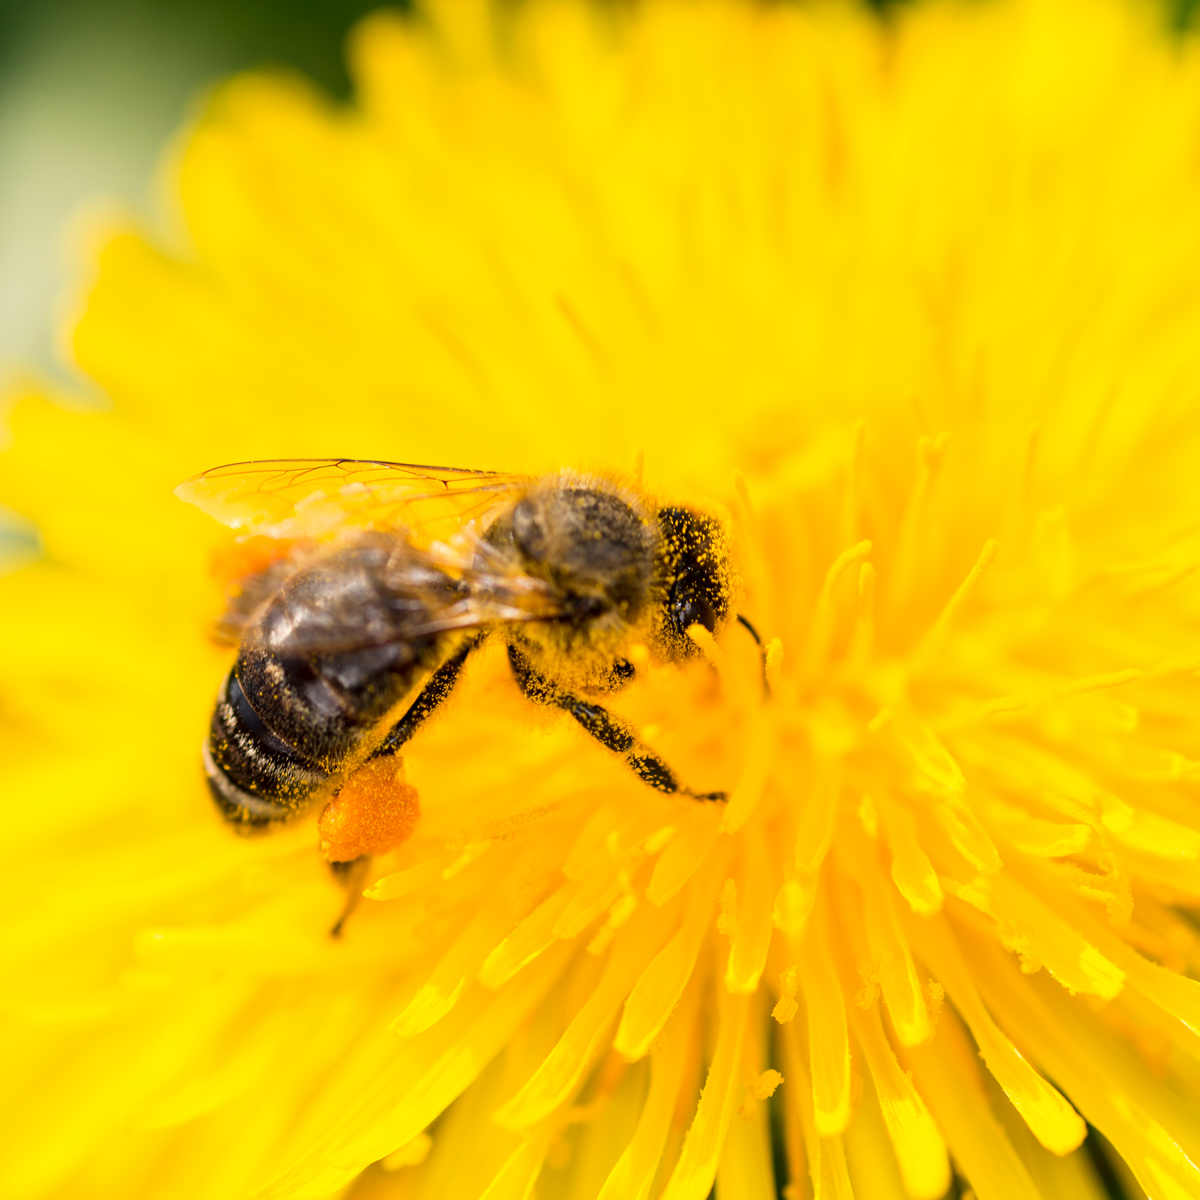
90	90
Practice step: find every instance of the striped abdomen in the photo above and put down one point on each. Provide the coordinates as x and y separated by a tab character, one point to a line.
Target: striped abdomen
329	655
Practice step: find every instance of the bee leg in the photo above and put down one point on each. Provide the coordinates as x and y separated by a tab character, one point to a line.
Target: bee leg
610	731
436	690
438	686
351	876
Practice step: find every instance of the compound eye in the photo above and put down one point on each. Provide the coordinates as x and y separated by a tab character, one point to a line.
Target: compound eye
687	608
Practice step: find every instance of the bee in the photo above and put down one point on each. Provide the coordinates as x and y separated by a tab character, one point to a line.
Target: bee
375	584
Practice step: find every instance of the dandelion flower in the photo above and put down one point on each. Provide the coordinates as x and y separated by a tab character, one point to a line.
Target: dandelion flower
913	303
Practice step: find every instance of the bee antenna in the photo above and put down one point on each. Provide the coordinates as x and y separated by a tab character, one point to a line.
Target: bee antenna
746	624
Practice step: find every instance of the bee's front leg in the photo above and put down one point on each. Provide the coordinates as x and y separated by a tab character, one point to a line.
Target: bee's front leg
610	731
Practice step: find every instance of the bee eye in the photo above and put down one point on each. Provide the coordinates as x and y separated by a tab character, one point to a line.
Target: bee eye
687	608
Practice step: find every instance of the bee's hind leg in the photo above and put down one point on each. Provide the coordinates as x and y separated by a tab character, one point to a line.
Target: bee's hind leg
610	731
351	876
351	872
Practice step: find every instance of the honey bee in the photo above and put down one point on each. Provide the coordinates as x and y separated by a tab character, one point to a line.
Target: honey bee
377	581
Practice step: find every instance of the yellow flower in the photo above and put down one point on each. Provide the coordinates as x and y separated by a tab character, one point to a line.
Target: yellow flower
915	303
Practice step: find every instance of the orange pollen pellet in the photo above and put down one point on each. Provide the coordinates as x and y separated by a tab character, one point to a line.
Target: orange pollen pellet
375	810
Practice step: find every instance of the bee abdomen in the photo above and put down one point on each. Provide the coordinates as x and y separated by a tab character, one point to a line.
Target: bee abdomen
325	660
255	777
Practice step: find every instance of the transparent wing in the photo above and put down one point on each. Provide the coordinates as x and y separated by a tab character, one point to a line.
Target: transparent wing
316	497
444	588
461	615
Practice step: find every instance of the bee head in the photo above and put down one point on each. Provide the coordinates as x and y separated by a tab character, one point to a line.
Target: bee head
695	577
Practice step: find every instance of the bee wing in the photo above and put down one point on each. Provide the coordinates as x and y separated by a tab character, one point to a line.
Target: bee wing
437	590
315	497
475	598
